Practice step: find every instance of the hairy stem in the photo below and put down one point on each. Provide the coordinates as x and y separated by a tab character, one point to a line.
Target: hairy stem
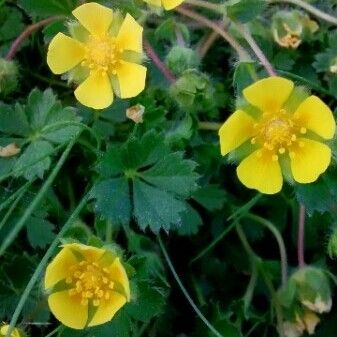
242	53
205	4
38	271
157	61
184	291
300	237
255	48
27	32
311	9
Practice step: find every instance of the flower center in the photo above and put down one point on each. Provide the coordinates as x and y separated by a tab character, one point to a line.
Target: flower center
102	54
277	133
89	281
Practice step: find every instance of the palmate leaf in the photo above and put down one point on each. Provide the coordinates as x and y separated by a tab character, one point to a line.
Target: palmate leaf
40	124
143	180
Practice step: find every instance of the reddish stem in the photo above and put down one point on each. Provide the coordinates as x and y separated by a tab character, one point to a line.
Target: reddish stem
26	33
156	60
300	238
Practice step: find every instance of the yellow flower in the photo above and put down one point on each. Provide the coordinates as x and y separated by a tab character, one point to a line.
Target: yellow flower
86	286
4	329
102	54
167	4
279	136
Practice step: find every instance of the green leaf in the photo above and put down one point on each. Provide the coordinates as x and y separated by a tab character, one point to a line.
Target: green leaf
118	210
47	8
141	178
41	123
319	196
244	75
149	302
35	160
173	174
190	222
211	197
40	232
245	10
156	208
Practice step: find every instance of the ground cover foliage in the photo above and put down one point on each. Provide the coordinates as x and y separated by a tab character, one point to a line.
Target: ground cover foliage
144	178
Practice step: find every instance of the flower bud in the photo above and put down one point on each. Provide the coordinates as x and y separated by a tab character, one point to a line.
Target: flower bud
8	77
180	59
313	289
304	321
136	113
290	27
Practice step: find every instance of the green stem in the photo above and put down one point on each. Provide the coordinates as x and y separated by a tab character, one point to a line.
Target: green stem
52	333
242	53
38	271
184	291
14	204
11	198
209	247
36	201
255	259
280	242
311	9
246	207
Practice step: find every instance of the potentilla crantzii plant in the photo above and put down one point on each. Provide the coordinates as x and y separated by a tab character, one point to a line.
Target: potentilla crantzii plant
145	140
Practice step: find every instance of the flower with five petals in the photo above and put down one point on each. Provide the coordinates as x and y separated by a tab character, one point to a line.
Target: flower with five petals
87	286
102	55
280	134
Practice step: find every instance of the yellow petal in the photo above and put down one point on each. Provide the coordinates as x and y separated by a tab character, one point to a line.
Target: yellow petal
64	53
269	94
94	17
107	309
96	91
4	329
89	253
170	4
68	310
309	161
315	115
261	173
235	131
118	273
130	36
131	77
58	269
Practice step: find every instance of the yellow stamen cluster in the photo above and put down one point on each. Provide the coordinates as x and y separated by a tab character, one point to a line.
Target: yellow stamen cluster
278	133
102	55
89	282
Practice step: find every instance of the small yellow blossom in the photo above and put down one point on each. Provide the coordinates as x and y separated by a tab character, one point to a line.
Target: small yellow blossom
167	4
278	136
4	329
86	286
102	55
